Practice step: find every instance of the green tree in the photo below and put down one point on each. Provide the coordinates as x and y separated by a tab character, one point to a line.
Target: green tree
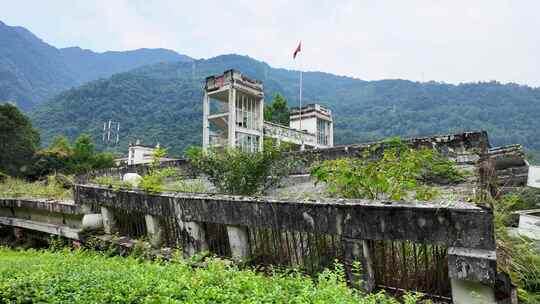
277	111
243	173
18	141
61	157
61	145
85	158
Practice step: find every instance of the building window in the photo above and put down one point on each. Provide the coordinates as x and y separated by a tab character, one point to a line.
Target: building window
246	112
322	132
247	142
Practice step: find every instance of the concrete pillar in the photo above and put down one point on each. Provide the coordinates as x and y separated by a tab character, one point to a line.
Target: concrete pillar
206	126
473	275
195	240
239	242
331	135
358	251
469	292
109	222
232	117
260	123
154	229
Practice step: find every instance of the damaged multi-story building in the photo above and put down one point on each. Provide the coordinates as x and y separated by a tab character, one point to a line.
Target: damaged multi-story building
233	108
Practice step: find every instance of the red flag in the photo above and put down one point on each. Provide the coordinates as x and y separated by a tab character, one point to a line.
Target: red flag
298	49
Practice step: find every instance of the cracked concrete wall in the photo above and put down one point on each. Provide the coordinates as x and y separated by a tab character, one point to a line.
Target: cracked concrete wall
454	225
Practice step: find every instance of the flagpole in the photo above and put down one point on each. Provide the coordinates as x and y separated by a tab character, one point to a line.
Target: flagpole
299	66
301	101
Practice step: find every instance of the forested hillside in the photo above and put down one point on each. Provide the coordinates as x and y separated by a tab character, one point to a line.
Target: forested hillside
162	103
87	65
31	71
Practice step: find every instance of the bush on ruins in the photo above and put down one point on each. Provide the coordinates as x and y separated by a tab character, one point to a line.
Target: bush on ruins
243	173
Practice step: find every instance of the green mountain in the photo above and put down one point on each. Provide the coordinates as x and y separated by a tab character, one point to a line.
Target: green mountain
162	103
32	71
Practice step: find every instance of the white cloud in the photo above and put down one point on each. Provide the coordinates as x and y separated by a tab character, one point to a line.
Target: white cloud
451	41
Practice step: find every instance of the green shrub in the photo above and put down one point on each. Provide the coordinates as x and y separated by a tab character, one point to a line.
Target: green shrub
399	171
243	173
86	277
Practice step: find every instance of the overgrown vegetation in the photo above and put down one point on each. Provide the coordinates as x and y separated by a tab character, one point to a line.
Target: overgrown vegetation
157	179
62	157
49	188
518	256
85	277
243	173
400	172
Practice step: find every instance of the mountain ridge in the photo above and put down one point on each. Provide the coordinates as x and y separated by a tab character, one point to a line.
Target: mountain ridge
32	71
163	103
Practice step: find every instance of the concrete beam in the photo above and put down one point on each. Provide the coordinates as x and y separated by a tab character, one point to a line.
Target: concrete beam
44	205
452	224
71	233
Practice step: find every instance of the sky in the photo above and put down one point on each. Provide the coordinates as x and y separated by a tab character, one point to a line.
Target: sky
450	41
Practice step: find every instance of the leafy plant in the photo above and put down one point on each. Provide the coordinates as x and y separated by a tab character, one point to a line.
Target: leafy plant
155	179
86	277
399	171
235	172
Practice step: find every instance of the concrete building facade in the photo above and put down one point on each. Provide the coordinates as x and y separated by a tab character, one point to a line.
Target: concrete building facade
233	116
314	119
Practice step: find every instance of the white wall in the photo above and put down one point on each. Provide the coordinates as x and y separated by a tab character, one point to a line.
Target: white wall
140	155
309	124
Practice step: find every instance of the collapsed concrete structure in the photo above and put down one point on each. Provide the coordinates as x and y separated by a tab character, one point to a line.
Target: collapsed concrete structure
443	248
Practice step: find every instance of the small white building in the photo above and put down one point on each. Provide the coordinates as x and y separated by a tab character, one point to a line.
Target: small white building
140	154
534	177
314	119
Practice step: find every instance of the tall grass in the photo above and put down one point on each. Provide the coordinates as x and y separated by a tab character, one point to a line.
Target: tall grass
48	189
